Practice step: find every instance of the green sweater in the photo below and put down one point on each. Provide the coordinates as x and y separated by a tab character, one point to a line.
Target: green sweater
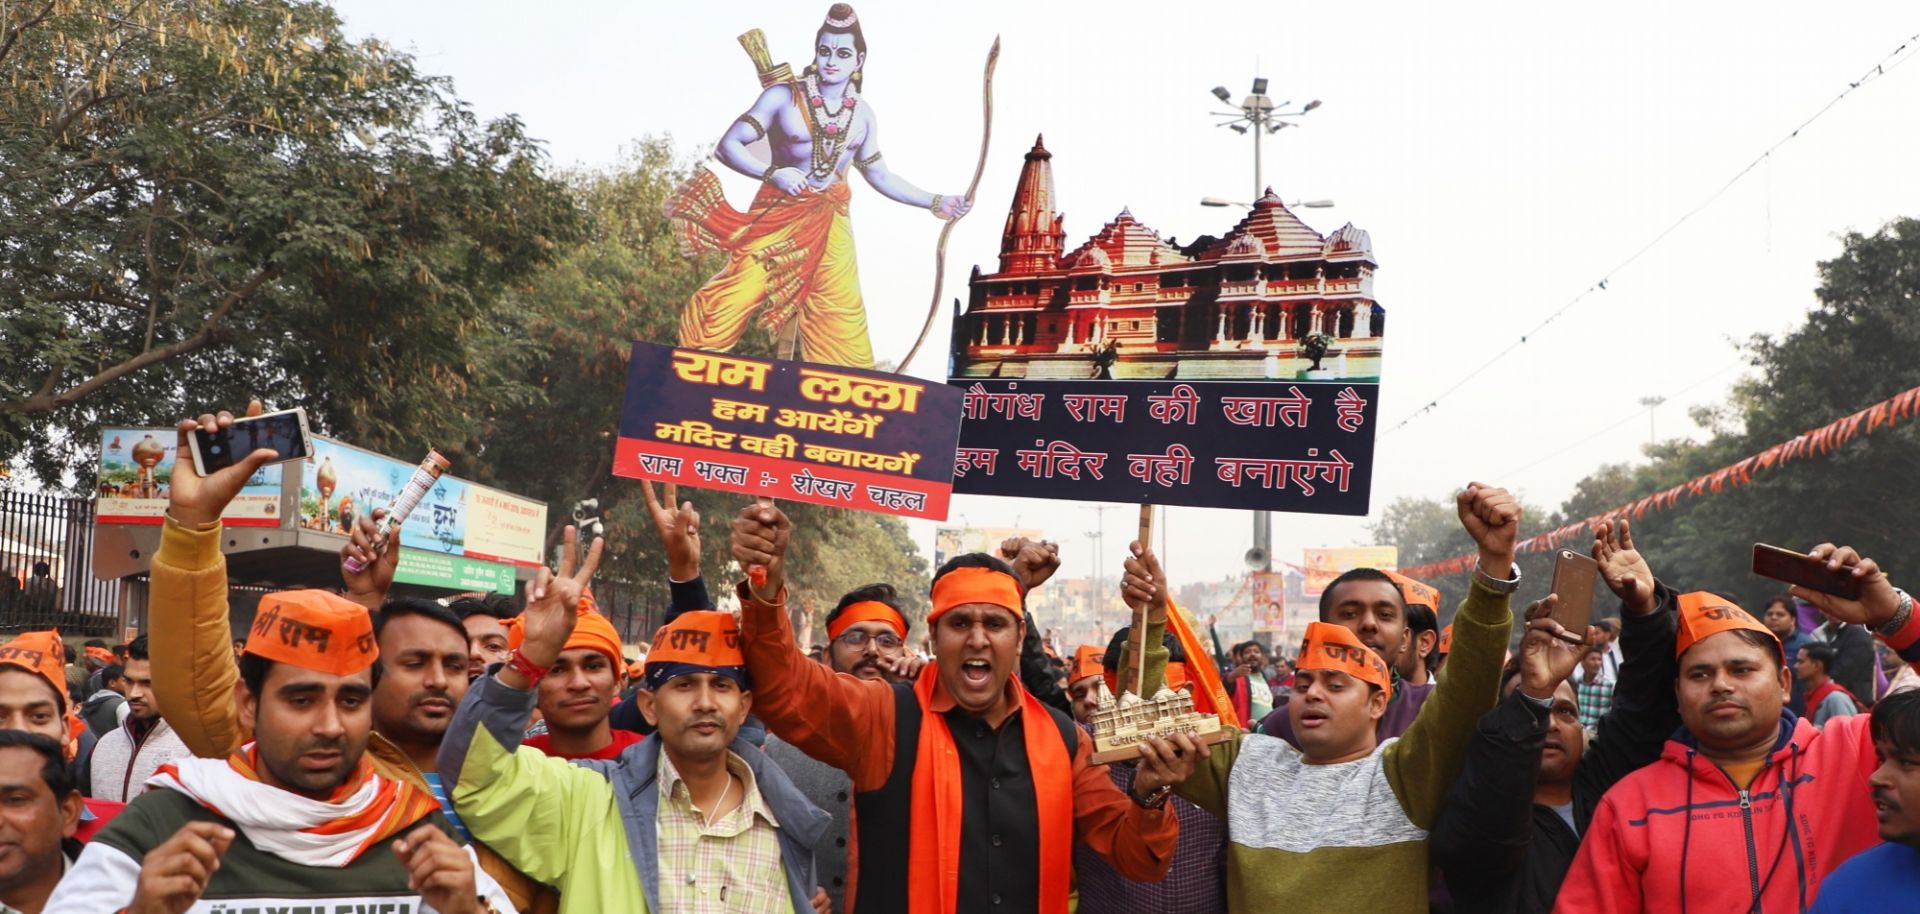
1352	836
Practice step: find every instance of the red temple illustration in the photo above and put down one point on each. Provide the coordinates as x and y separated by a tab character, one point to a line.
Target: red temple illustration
1128	304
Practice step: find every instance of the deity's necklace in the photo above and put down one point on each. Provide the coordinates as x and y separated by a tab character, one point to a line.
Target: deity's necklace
830	128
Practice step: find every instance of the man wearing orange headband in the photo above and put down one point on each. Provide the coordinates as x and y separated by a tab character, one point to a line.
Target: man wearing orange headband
706	820
1748	788
1341	822
969	792
296	818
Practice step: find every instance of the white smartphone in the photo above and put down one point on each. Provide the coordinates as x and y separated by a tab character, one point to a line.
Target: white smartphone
284	432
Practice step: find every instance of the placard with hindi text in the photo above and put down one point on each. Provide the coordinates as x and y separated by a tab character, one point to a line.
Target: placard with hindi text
826	434
1299	446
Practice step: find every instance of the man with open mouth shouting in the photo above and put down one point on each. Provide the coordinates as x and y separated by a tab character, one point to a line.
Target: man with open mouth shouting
990	787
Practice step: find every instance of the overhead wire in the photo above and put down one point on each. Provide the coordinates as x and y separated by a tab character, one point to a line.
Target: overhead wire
1900	55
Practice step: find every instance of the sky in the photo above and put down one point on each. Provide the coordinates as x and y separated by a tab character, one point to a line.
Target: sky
1505	157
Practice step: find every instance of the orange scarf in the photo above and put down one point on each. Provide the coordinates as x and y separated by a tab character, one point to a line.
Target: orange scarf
933	855
363	811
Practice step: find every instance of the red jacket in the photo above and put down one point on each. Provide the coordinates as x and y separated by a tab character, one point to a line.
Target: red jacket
1678	836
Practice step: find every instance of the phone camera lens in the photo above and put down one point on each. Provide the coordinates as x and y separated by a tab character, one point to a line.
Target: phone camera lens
217	449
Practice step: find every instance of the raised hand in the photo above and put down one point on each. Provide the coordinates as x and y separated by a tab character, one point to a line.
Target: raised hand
173	875
368	586
194	499
1623	568
679	530
1492	517
1878	600
953	206
1144	586
553	601
1033	562
761	533
1549	653
440	870
1168	761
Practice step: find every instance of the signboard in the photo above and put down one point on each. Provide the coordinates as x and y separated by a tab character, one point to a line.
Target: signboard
1269	601
453	572
825	434
1280	446
344	482
1323	565
136	465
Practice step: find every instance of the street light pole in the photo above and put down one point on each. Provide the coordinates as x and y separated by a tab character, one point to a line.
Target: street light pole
1259	114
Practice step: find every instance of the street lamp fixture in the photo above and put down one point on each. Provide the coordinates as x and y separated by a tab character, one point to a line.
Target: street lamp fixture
1258	115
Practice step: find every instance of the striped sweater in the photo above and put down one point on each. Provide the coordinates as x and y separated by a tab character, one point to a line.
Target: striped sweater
1353	836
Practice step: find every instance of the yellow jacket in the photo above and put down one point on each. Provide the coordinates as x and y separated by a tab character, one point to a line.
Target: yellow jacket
190	642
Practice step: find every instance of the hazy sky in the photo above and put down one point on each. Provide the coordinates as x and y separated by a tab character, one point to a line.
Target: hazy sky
1504	157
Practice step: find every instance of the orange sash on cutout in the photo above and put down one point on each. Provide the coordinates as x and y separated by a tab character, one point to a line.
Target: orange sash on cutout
933	854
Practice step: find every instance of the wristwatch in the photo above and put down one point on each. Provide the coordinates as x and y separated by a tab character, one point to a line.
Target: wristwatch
1154	800
1496	584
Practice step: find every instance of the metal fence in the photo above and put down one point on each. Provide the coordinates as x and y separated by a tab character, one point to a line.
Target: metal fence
636	610
46	567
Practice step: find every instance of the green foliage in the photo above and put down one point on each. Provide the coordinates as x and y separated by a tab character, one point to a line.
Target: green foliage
1857	347
209	200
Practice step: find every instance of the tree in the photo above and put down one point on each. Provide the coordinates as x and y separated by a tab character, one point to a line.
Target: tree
210	200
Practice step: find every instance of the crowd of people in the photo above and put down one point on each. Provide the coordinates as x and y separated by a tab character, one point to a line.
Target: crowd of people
357	750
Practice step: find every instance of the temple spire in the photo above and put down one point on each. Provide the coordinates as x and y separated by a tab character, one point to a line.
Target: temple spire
1034	235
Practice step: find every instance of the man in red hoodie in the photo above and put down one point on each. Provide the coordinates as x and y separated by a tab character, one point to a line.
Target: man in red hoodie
1747	788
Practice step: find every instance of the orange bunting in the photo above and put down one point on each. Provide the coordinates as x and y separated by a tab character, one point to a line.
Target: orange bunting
1822	440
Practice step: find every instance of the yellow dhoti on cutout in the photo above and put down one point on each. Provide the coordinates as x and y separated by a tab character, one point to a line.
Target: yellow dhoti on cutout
788	257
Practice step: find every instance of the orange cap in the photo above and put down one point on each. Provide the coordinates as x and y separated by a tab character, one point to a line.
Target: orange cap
42	654
706	640
1703	615
1415	593
313	630
865	611
103	655
963	586
591	631
636	669
1087	662
1446	639
1333	647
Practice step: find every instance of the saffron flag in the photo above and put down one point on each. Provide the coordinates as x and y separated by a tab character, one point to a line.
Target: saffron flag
1209	693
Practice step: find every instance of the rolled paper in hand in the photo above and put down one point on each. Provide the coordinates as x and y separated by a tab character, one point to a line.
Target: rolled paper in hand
424	478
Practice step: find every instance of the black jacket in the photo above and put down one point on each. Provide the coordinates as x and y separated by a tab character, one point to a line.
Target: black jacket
1500	851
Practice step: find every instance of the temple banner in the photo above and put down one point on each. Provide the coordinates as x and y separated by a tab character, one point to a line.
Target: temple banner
1294	447
136	466
825	434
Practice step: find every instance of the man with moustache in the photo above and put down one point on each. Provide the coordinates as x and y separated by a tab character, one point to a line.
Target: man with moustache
1514	819
970	792
692	819
1874	880
126	757
866	639
297	816
423	647
1748	788
40	808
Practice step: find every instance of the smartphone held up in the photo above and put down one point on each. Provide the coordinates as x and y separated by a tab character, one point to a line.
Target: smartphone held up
284	432
1574	577
1788	566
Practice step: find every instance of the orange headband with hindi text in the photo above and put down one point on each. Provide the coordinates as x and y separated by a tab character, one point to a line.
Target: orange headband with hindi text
1333	647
